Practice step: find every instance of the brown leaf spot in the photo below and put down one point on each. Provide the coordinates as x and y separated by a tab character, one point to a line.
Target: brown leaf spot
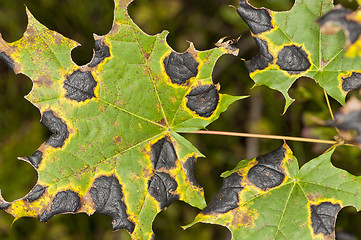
243	217
162	122
43	81
117	139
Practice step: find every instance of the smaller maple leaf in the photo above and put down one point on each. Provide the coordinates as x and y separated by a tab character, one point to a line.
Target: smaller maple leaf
269	197
291	45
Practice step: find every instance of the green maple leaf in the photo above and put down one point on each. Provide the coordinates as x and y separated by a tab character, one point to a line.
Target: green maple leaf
291	45
115	149
269	197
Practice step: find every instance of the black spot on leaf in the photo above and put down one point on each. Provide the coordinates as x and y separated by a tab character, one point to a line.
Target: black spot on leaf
190	167
64	202
107	195
7	60
263	58
160	187
180	67
351	83
101	52
323	217
258	20
227	197
203	100
267	173
80	86
339	16
57	127
4	206
163	154
35	159
35	193
293	59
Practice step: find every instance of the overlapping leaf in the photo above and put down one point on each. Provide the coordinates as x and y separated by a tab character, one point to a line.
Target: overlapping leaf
348	119
342	18
270	198
115	148
291	45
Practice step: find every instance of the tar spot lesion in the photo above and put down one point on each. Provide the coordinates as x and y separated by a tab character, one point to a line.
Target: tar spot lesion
258	20
80	86
340	17
107	194
293	59
161	186
7	60
180	67
101	51
57	127
352	82
190	167
35	193
163	154
323	217
35	159
267	172
262	60
4	206
227	197
64	202
203	100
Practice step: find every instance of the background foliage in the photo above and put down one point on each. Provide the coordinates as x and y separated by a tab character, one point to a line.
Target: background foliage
21	133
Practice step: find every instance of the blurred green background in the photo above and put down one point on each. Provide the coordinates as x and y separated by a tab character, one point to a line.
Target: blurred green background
202	22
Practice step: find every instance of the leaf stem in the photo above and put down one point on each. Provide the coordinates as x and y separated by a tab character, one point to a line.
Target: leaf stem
253	135
330	148
328	105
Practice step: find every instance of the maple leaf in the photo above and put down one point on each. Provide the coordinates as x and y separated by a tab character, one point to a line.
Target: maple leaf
115	149
269	197
291	45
